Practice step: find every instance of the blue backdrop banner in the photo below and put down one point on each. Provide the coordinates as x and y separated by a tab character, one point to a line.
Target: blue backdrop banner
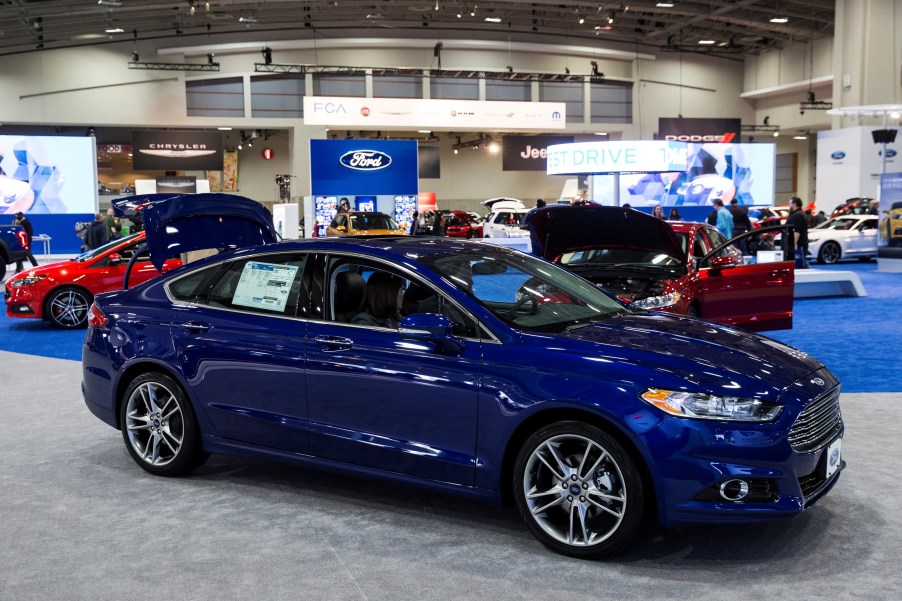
363	167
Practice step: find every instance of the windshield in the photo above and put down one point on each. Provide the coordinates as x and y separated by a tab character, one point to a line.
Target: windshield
91	254
373	221
525	292
613	257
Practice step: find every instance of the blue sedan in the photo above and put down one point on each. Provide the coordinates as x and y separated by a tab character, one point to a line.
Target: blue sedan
469	368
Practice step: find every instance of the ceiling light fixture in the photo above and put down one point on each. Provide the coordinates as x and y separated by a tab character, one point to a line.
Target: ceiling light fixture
706	42
493	19
779	20
110	2
664	5
115	30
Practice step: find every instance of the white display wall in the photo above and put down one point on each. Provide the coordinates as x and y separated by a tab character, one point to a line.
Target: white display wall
849	164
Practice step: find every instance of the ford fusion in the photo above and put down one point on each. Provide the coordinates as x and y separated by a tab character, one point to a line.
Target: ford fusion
468	368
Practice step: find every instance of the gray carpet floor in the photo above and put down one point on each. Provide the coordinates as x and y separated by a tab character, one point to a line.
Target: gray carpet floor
79	520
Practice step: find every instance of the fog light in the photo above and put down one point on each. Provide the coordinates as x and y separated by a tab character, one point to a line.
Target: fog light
734	490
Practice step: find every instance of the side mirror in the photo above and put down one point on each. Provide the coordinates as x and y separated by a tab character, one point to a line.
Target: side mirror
114	259
722	262
430	327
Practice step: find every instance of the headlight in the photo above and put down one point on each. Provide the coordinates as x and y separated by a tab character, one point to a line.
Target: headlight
657	302
698	405
27	281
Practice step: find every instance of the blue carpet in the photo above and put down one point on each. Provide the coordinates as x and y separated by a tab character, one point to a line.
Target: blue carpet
858	339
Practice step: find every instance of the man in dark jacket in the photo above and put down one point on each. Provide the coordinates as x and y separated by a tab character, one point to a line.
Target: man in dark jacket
799	223
741	222
22	220
95	237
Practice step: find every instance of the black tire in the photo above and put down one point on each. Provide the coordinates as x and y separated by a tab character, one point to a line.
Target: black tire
694	312
581	511
2	267
829	253
68	307
469	234
159	427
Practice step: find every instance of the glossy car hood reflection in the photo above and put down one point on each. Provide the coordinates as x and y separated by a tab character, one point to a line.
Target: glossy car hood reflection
683	346
566	228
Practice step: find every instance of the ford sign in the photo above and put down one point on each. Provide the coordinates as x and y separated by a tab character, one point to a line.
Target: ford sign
365	160
838	155
890	153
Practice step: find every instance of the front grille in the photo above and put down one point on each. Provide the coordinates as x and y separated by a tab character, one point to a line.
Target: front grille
810	483
817	424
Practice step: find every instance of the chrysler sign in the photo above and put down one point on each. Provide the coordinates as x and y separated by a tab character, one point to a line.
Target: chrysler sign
177	150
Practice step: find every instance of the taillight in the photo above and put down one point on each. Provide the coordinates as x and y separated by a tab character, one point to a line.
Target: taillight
96	318
23	239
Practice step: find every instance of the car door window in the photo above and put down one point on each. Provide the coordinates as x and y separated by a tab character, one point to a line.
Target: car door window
191	287
371	294
269	284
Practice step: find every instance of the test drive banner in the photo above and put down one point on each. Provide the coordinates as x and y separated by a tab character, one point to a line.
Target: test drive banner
177	150
528	153
699	130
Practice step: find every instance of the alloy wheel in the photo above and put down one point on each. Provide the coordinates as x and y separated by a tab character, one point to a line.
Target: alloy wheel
69	308
154	423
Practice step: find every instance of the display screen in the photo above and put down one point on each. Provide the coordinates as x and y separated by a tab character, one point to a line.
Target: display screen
405	206
324	210
725	171
47	174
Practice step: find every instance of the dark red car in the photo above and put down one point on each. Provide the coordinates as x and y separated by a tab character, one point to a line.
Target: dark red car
681	267
62	292
460	224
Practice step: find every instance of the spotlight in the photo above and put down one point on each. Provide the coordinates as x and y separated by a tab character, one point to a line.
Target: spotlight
240	147
135	57
567	70
210	58
267	55
494	147
767	120
455	151
510	69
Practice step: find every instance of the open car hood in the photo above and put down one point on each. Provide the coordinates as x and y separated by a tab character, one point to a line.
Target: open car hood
179	223
565	228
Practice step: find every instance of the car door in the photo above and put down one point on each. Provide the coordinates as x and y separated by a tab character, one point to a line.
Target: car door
242	343
379	401
865	239
755	297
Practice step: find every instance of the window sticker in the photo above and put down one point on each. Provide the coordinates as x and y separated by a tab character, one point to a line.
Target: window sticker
264	286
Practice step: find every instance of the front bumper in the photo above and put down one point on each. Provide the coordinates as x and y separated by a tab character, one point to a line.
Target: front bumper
23	302
692	459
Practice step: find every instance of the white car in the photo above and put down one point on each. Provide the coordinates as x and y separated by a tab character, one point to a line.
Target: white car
504	219
843	237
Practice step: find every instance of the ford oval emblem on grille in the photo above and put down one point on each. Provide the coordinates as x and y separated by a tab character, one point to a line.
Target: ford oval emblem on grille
839	154
817	381
365	160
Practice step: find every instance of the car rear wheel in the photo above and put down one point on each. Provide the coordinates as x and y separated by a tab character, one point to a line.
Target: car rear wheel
578	490
2	267
67	308
159	427
830	253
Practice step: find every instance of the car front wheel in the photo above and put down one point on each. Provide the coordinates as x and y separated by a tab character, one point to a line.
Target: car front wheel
830	253
67	308
159	427
578	490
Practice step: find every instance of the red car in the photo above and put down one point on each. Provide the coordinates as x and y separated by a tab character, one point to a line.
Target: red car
681	267
460	224
62	292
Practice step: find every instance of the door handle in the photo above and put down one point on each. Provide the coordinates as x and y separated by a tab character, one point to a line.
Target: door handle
196	327
333	344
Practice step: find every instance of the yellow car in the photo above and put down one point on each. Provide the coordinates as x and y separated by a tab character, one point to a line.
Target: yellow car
363	224
891	225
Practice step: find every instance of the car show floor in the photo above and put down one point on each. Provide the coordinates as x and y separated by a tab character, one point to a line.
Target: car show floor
81	521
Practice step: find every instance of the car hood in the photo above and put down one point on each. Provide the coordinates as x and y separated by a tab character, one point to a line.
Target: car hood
713	357
566	228
48	269
179	223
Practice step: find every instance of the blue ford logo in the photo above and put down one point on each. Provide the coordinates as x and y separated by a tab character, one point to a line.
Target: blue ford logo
834	457
890	153
365	160
839	154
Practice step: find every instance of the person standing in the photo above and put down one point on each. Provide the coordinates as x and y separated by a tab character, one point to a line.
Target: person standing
344	206
799	222
741	223
535	245
724	220
109	223
414	223
675	215
22	220
95	237
658	211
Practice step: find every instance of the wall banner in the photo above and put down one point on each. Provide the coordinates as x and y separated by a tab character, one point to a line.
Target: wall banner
363	167
528	153
177	150
617	157
176	185
699	130
340	111
890	223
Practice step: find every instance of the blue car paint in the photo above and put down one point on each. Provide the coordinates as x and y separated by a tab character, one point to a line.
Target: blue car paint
596	372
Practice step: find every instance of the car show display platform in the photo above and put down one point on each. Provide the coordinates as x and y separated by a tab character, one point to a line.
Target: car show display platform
813	283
